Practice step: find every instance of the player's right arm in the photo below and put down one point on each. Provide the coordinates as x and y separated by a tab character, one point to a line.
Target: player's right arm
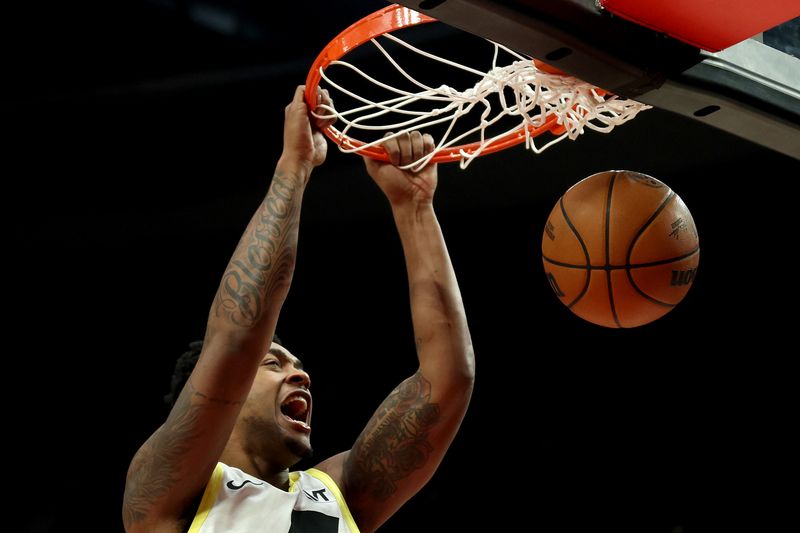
171	469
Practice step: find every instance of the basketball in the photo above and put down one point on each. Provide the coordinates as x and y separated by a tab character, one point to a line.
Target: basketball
620	249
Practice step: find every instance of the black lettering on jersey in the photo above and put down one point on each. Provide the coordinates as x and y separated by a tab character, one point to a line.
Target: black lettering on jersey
313	522
316	495
233	486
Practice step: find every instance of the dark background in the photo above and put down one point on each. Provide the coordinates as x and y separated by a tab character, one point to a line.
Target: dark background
140	138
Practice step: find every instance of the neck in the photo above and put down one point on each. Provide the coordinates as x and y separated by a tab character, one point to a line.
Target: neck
275	475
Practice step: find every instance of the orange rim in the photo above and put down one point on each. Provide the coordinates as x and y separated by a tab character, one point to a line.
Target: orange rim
389	19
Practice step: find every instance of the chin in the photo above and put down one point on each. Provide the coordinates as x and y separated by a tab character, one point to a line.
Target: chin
299	448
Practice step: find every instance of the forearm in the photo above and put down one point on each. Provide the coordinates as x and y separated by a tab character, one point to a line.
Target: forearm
441	333
257	278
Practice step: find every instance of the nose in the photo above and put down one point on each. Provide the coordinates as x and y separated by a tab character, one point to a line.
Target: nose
299	378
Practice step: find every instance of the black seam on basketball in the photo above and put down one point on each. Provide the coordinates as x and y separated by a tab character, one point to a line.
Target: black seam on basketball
650	220
585	253
667	200
570	265
647	296
621	267
663	261
656	263
608	264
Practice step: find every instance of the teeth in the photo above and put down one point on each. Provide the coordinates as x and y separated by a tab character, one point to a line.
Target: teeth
295	408
297	399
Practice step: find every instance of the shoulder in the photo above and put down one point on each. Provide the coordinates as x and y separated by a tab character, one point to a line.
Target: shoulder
333	467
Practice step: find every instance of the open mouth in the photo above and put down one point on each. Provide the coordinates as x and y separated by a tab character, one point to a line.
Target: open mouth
296	408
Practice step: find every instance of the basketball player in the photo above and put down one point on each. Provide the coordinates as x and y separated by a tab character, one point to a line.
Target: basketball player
220	462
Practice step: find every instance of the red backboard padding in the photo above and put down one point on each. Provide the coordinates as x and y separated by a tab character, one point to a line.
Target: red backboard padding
711	25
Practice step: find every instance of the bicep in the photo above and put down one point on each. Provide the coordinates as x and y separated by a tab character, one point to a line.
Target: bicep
399	450
173	466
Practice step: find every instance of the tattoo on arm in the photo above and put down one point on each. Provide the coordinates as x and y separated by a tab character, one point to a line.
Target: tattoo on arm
155	469
395	442
262	263
264	257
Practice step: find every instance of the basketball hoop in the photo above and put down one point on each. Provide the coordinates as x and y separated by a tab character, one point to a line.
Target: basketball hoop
544	99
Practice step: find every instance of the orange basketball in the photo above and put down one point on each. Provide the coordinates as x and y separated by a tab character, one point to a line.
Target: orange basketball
620	249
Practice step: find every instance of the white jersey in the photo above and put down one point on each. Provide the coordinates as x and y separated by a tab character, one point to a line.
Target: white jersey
235	502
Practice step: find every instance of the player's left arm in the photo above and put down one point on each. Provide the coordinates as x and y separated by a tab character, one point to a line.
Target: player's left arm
405	440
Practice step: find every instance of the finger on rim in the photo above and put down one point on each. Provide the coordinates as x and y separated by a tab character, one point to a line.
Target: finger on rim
392	147
417	146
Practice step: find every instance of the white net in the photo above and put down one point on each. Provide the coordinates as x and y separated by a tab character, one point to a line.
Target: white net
519	90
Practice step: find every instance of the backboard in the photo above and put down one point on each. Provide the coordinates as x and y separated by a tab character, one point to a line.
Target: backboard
748	89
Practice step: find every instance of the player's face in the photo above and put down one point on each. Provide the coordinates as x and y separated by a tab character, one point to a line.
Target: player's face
277	413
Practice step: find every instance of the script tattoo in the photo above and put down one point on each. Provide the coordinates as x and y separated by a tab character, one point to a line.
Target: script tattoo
395	442
154	470
264	256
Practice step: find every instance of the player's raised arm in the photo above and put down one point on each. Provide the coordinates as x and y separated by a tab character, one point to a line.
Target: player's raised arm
406	438
170	470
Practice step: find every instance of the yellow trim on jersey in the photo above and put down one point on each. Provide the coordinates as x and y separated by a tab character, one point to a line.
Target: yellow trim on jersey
209	497
293	477
331	484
